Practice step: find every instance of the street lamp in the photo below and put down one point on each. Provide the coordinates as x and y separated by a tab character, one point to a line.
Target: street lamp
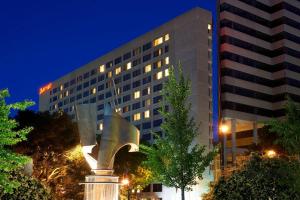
125	181
224	130
271	153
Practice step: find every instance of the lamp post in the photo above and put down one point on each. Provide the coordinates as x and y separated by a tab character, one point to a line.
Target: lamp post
125	181
224	130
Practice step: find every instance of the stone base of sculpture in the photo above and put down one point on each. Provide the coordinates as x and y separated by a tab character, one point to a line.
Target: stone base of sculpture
101	186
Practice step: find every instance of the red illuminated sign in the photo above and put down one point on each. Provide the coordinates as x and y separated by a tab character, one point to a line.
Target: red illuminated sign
45	88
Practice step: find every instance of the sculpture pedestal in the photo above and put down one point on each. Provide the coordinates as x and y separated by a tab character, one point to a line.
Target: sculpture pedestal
101	186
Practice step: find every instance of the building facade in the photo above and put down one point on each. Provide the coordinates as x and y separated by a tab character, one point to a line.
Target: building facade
259	65
131	77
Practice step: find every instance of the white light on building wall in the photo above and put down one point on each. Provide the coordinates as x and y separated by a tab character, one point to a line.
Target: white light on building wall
101	68
101	126
128	66
61	87
167	37
109	74
147	114
136	94
67	93
209	26
118	70
159	75
94	90
136	116
167	60
167	72
147	68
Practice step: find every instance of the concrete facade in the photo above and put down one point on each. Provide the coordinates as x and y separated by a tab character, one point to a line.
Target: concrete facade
259	65
130	79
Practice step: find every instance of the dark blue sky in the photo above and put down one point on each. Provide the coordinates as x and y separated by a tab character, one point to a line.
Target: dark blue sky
43	40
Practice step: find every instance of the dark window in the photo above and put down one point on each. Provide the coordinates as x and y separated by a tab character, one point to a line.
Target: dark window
136	106
60	104
118	60
109	64
93	100
79	87
156	111
66	110
166	48
136	72
93	72
136	51
127	56
79	78
148	188
79	96
54	98
72	99
146	125
147	79
72	82
66	101
108	94
136	84
126	77
126	87
146	57
118	80
54	90
126	98
127	118
86	93
157	122
86	84
147	46
157	52
86	75
145	92
72	91
157	99
100	107
101	78
100	117
93	81
100	97
85	102
136	62
126	109
157	87
101	87
66	85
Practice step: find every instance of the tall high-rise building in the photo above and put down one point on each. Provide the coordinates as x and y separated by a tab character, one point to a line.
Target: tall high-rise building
131	77
259	65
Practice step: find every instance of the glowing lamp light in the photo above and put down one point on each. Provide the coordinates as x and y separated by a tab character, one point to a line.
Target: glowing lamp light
125	181
45	88
224	128
271	153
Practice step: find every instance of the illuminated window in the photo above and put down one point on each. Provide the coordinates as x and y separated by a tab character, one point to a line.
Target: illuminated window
128	66
157	64
167	37
136	116
101	68
209	26
118	90
101	126
118	70
158	41
147	68
60	96
67	93
109	74
148	90
146	114
148	102
94	91
167	72
137	94
158	75
167	60
55	106
61	87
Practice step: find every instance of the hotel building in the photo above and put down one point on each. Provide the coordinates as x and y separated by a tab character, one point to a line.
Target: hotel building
131	77
259	65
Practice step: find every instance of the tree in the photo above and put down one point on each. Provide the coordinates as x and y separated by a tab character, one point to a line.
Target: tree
288	129
261	178
174	160
9	136
56	153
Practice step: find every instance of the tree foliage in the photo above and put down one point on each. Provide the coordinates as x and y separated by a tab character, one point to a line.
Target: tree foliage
174	160
288	129
29	188
10	135
55	150
261	178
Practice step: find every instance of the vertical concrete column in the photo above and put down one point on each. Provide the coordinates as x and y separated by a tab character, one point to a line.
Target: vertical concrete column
233	140
255	135
224	150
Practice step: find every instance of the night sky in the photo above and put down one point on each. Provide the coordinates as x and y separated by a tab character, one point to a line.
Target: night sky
43	40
